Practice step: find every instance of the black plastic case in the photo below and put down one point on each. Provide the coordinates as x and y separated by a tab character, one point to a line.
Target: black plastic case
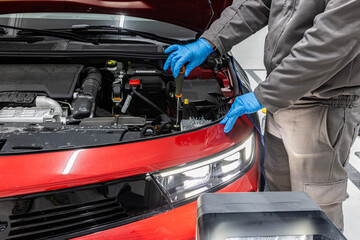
260	216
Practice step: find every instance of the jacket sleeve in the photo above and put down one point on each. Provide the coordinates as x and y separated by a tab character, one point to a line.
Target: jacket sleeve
325	49
237	22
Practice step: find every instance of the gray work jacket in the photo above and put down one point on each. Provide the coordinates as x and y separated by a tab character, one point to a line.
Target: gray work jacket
312	50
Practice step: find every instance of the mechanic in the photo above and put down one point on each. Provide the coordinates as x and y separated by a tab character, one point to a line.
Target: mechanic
311	92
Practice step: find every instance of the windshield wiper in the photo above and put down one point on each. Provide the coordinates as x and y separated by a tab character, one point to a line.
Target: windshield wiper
38	32
22	39
104	29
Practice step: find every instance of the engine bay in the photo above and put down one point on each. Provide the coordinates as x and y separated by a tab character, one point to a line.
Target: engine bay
49	106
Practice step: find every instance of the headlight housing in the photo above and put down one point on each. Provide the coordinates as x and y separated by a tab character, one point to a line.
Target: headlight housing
192	179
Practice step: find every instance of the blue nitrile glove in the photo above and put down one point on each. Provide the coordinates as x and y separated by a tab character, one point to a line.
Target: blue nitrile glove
195	53
243	104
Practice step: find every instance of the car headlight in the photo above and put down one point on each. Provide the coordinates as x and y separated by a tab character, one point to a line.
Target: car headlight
191	179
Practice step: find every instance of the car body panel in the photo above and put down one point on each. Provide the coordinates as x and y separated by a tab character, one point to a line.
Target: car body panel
62	169
187	13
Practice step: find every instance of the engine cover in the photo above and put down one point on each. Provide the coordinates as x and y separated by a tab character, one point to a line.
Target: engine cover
55	80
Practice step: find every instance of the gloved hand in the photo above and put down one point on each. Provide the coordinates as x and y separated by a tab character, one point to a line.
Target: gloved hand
195	53
243	104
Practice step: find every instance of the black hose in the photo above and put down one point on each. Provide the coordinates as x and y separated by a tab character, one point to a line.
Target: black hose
84	104
145	99
92	82
164	124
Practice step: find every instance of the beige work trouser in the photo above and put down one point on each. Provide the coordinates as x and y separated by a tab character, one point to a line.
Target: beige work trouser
307	149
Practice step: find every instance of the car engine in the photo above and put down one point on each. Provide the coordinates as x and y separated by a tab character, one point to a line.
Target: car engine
52	106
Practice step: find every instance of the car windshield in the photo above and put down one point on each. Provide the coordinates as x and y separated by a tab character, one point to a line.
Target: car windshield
68	21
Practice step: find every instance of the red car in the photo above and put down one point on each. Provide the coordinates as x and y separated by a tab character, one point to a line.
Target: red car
93	144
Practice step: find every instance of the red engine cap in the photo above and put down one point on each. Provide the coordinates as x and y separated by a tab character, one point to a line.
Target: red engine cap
134	82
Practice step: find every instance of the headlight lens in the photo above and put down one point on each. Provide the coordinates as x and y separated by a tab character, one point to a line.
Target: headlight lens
192	179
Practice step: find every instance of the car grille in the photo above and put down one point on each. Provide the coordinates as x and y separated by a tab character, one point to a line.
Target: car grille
74	212
64	220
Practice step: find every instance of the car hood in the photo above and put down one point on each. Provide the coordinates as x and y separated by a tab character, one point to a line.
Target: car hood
192	14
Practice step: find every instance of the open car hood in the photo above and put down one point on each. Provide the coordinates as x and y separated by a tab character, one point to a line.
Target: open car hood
192	14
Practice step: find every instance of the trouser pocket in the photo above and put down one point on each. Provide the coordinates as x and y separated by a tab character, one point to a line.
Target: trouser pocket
327	193
329	196
333	126
355	134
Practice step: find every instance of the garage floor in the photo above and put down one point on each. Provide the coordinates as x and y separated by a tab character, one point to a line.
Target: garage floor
250	55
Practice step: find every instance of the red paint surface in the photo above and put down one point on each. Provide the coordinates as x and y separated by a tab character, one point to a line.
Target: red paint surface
30	173
188	13
179	223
